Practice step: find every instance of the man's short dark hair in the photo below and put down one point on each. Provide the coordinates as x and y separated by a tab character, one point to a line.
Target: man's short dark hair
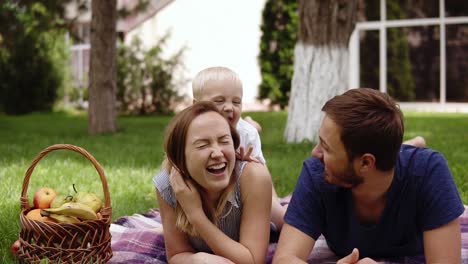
370	122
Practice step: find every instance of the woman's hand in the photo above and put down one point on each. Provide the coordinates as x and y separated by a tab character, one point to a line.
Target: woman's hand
186	194
202	257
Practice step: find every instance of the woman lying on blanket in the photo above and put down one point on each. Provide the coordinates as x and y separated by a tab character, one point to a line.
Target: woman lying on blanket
214	208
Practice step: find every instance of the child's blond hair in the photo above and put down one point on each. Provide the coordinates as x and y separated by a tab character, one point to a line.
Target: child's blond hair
212	74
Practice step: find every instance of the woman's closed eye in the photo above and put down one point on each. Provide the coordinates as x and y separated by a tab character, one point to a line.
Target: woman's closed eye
201	145
225	140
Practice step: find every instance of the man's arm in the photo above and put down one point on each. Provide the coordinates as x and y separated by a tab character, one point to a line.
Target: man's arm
294	246
443	244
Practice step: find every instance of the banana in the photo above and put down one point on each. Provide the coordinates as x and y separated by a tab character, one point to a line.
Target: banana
64	218
78	210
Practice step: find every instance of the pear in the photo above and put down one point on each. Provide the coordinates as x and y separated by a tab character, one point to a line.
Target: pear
60	199
90	199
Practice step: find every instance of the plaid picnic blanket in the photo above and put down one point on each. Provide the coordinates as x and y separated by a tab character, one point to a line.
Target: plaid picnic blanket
138	239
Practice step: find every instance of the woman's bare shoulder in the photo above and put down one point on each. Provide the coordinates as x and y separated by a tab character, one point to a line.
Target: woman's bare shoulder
254	175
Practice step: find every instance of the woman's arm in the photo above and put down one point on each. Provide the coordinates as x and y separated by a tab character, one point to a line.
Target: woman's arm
443	244
178	249
294	246
254	230
255	183
256	195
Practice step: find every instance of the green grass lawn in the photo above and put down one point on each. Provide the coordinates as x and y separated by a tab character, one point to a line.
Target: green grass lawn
132	156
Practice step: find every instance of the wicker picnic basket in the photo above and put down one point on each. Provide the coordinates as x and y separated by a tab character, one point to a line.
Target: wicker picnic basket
83	242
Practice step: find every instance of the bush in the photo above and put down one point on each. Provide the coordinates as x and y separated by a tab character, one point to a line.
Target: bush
33	61
145	80
280	23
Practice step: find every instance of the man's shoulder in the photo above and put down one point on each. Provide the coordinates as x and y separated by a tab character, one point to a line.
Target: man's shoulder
313	171
417	162
420	155
314	164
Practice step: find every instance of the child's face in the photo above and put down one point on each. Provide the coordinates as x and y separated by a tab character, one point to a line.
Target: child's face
227	95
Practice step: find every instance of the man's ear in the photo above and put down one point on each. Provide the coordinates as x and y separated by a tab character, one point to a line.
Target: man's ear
194	100
367	162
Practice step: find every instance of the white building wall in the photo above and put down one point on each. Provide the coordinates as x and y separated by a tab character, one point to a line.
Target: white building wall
215	32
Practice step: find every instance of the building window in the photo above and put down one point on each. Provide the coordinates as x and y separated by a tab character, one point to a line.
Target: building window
412	50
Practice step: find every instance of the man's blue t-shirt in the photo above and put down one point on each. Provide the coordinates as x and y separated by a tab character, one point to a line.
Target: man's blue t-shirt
422	196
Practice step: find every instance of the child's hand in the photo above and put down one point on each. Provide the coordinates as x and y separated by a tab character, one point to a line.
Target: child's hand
186	193
246	156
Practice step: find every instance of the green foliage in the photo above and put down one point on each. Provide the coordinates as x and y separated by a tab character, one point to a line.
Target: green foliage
280	23
146	80
33	59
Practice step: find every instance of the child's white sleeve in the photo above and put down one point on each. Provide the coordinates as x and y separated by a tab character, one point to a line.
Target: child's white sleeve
257	147
249	136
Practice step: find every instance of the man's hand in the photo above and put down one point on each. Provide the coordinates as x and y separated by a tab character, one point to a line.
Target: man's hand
242	155
354	258
351	258
186	193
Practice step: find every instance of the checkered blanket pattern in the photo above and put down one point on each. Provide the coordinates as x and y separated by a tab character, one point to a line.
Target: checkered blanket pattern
138	239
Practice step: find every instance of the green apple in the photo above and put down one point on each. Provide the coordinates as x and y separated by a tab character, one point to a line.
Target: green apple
60	199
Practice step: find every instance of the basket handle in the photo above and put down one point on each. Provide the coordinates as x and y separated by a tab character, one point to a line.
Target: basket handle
106	210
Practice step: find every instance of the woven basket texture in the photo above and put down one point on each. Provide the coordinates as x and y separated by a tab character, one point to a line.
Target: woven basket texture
84	242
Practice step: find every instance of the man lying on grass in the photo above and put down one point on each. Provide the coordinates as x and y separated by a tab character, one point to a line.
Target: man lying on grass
370	196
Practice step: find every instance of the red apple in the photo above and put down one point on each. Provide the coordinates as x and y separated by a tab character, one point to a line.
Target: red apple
15	247
43	197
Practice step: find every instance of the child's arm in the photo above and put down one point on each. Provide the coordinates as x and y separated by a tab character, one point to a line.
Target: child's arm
254	123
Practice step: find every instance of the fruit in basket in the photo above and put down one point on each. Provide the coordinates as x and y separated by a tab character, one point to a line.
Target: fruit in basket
60	199
66	219
15	247
35	214
43	197
90	199
75	209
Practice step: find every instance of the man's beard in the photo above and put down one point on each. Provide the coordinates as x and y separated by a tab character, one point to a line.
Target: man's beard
346	178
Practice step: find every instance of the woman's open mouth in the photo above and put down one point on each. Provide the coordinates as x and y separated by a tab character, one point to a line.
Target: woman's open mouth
217	168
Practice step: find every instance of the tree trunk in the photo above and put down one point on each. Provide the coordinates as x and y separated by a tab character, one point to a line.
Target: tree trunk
320	63
103	73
